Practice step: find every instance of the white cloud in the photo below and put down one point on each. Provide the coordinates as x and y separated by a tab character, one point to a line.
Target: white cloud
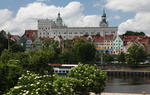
5	15
128	5
141	20
26	17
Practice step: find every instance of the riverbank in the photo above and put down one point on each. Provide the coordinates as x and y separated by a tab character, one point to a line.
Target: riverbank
119	94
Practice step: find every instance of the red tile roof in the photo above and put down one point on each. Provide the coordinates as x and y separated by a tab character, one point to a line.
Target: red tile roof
30	34
99	39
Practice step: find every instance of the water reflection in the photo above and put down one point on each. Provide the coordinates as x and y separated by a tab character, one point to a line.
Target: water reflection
127	84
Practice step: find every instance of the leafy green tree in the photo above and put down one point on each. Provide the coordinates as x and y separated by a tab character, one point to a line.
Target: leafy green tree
84	51
4	41
132	33
107	58
23	57
39	61
67	57
68	44
66	86
17	48
33	84
46	43
121	57
9	74
98	35
6	56
92	79
136	54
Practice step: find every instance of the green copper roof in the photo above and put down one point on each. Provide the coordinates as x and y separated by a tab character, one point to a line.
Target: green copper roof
59	19
104	14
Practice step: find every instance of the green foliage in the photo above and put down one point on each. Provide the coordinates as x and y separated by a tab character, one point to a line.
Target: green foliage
84	51
66	86
38	62
6	56
98	35
68	44
107	58
121	57
9	74
132	33
92	79
33	84
136	54
67	57
16	48
46	43
80	81
3	41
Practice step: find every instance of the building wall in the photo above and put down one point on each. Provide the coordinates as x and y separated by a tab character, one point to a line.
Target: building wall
117	45
48	29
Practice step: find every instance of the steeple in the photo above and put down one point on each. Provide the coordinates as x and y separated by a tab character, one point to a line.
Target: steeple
103	22
59	19
59	14
104	14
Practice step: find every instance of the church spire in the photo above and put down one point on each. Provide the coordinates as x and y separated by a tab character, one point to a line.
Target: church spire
59	14
104	13
103	22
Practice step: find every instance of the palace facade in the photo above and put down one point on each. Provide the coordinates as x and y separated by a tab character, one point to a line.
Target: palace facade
49	29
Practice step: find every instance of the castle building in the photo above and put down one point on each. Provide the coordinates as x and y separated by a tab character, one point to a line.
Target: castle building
49	29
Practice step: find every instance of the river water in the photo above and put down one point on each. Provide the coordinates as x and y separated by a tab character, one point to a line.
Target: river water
127	85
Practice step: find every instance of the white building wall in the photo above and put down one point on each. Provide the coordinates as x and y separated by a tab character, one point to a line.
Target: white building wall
48	29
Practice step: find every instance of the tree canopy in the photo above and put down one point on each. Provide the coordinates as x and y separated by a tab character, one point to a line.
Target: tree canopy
136	54
92	79
132	33
84	51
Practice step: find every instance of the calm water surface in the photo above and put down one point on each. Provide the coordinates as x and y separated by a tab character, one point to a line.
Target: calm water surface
127	85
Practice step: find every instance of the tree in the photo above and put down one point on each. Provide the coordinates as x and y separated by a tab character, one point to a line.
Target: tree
108	58
67	57
17	48
92	79
68	44
136	54
98	35
4	41
66	86
46	43
33	84
9	74
38	62
84	51
121	57
6	56
132	33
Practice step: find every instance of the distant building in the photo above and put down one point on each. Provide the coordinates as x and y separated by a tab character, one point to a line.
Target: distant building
118	45
49	29
31	34
14	38
99	44
28	45
37	44
108	43
140	40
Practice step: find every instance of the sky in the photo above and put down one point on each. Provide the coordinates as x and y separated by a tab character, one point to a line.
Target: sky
16	16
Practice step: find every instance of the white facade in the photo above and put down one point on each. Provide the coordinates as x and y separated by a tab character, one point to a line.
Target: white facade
49	29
